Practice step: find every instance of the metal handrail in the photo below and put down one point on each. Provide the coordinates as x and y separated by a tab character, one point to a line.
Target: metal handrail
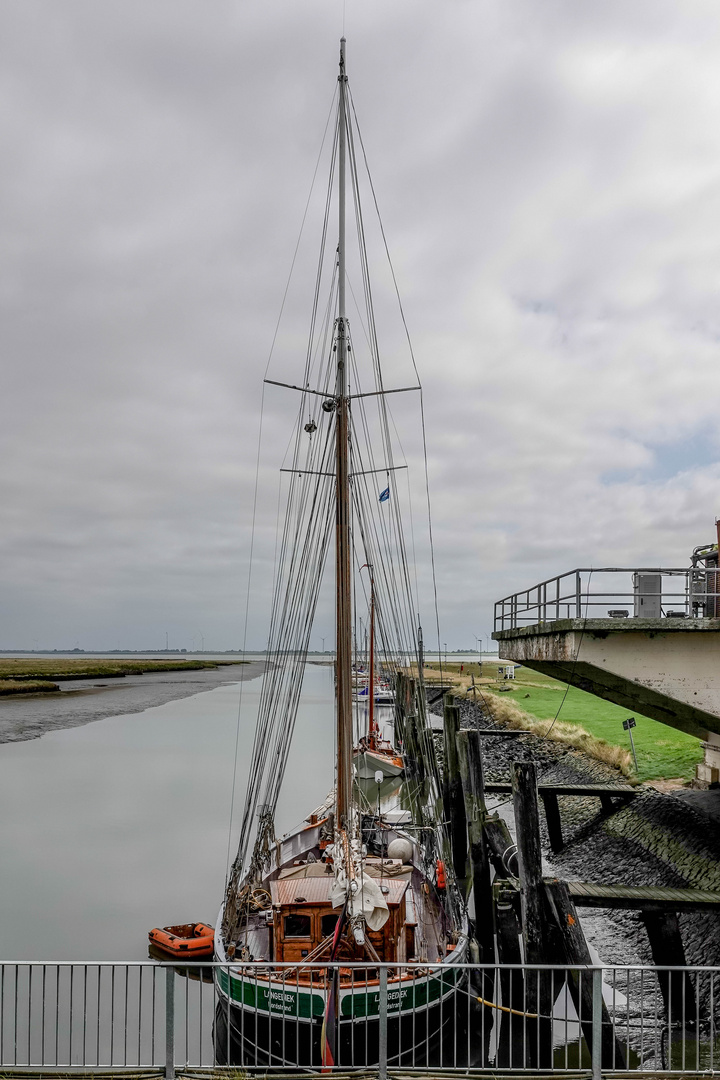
585	592
125	1018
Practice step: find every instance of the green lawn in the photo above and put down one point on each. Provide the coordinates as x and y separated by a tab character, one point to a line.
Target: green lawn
662	751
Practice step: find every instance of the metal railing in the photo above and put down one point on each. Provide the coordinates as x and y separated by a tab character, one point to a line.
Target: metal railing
614	592
433	1018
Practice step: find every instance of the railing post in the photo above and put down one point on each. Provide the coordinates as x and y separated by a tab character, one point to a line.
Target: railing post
578	595
169	1022
597	1002
383	1025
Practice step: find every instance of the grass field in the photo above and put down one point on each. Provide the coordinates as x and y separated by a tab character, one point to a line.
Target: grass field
662	752
63	667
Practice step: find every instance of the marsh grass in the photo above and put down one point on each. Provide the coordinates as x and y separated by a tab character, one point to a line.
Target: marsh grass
63	668
508	714
27	686
584	721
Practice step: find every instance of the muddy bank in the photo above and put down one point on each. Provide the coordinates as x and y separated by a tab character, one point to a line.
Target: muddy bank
84	701
669	839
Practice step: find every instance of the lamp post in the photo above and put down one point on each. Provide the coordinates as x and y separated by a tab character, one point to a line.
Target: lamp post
323	641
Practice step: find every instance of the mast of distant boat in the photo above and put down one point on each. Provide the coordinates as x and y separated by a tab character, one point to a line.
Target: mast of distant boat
372	726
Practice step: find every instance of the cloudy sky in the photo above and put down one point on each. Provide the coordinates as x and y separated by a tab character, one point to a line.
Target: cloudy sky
549	179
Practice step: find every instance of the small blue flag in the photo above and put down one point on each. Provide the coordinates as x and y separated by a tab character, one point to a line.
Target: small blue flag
385	495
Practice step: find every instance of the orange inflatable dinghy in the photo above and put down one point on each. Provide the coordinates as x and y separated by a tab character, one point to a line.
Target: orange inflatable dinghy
189	940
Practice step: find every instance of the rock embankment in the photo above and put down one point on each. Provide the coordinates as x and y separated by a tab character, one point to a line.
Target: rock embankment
660	838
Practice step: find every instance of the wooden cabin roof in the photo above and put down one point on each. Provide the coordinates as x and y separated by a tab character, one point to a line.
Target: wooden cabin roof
316	890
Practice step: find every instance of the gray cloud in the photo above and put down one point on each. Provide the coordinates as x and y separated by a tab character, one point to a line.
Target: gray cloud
548	177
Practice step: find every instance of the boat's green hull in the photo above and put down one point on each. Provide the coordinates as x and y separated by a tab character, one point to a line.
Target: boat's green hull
261	1025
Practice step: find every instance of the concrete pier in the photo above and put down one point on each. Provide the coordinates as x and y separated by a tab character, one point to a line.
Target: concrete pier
668	669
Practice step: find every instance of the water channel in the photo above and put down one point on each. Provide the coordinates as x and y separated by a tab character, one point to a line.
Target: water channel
119	825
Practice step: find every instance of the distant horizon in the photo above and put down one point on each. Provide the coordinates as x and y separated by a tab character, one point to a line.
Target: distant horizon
209	652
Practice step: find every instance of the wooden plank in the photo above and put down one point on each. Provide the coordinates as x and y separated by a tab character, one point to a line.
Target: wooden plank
581	790
643	898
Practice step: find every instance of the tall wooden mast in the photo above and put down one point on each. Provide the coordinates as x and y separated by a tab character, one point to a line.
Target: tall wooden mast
342	525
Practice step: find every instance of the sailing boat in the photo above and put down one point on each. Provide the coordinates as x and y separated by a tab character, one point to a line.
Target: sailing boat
354	883
374	756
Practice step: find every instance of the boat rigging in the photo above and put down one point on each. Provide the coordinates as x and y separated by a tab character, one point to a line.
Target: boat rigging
365	887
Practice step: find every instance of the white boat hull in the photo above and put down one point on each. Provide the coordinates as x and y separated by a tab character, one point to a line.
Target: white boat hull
369	763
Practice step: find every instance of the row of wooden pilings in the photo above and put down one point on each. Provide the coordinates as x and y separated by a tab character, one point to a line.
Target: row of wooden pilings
520	917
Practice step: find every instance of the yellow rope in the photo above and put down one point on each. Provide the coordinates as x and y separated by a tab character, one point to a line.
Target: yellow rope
504	1008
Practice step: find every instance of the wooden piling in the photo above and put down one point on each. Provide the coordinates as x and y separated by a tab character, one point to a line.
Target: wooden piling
501	849
410	692
412	767
574	951
399	708
471	773
552	817
512	1034
527	827
453	801
678	991
538	987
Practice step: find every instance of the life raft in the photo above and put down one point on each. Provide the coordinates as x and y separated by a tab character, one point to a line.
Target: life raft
189	939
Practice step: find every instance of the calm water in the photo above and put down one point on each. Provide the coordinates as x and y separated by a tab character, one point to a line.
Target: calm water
115	827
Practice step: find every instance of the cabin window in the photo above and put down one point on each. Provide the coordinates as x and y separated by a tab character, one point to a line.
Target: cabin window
297	925
328	924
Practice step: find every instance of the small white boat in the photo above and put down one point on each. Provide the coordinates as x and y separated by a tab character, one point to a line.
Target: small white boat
380	758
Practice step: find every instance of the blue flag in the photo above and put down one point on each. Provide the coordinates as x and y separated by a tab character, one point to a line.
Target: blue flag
385	495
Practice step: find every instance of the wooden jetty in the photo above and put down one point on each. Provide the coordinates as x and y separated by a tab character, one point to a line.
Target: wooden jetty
514	902
606	793
643	897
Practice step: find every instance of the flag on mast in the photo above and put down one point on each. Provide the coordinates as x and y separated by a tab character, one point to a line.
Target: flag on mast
385	495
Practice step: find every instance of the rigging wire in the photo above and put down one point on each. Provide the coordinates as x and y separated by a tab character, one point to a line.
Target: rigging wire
304	541
257	472
417	374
